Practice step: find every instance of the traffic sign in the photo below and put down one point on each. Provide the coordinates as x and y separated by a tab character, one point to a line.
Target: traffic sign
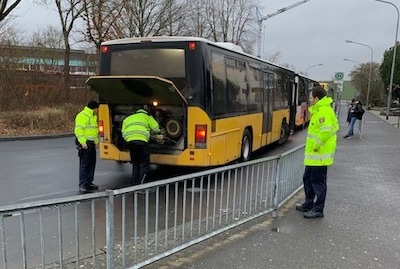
339	75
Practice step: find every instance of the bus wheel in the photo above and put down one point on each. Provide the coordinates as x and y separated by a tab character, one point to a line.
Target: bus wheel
245	152
285	132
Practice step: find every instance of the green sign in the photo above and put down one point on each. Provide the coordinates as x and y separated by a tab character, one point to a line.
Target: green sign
339	75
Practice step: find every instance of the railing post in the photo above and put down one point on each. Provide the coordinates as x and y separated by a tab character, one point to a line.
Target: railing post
110	229
277	186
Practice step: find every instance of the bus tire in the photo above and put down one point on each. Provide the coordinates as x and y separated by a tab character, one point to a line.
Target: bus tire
246	146
285	132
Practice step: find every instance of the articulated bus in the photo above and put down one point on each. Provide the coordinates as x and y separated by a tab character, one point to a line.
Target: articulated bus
299	113
215	103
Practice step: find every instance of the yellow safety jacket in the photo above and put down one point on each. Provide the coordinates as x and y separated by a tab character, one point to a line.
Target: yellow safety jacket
321	134
86	127
137	127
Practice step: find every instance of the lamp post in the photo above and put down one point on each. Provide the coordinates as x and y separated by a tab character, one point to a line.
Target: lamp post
394	58
348	60
370	66
312	67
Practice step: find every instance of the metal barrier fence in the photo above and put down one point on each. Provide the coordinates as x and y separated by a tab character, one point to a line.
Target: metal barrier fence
134	226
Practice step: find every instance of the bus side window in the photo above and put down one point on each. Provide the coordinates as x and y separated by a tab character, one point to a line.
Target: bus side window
219	103
238	91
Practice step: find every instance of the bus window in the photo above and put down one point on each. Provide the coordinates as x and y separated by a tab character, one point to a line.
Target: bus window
164	63
236	85
255	99
220	105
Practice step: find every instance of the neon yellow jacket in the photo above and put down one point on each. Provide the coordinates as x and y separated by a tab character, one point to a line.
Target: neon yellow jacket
137	127
321	134
86	127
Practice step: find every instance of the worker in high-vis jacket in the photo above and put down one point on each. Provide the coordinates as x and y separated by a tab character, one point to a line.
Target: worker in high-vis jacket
86	140
136	131
319	152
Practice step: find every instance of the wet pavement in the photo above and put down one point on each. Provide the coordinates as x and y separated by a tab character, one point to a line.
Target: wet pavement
361	227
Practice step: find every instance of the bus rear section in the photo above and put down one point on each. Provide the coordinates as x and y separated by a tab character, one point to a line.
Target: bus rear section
176	145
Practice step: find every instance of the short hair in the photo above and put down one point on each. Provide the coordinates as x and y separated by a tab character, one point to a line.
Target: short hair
319	92
93	104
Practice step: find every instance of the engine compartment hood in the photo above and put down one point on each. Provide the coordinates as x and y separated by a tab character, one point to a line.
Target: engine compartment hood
136	90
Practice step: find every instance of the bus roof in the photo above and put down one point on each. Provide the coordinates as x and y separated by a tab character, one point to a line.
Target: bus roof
224	45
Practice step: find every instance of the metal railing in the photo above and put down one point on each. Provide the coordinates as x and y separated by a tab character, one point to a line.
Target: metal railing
135	226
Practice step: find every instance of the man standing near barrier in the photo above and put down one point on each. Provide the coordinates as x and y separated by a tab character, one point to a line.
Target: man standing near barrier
136	130
319	152
86	133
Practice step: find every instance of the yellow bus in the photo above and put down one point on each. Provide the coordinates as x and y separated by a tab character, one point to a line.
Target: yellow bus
299	113
328	88
215	103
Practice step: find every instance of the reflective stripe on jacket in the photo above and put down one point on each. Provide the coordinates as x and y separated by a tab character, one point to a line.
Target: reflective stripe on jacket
321	135
137	127
86	127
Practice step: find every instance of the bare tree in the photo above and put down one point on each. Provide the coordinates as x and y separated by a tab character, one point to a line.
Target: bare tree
50	44
173	18
10	35
274	58
197	19
6	7
151	18
233	20
49	37
69	12
100	17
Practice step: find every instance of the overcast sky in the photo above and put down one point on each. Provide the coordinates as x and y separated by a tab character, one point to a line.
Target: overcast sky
306	35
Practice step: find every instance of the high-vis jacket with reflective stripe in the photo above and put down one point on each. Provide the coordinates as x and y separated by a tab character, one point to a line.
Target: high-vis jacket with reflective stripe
86	127
137	127
321	135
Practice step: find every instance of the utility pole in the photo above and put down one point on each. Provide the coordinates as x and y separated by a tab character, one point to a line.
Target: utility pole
261	19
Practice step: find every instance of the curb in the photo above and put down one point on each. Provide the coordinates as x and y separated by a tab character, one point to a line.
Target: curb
34	137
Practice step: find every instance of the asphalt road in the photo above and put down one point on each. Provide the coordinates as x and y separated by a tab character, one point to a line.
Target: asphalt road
34	170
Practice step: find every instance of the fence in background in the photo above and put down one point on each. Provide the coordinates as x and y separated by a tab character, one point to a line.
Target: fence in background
134	226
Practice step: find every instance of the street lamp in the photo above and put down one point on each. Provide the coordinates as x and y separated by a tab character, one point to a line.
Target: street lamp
394	58
312	67
348	60
370	67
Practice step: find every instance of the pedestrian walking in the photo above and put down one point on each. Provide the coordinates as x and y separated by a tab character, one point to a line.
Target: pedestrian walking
136	130
86	140
319	153
354	113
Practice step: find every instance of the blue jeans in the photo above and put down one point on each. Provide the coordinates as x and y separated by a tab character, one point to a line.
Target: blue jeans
351	126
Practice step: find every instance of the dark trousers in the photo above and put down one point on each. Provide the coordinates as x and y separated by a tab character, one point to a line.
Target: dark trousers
314	180
140	158
87	165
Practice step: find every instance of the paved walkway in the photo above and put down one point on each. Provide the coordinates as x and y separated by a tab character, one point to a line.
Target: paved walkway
361	227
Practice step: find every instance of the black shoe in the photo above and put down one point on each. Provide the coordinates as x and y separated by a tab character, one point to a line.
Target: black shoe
83	189
346	136
93	186
312	214
302	208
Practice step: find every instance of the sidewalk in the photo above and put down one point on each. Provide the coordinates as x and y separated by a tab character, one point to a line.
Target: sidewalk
361	227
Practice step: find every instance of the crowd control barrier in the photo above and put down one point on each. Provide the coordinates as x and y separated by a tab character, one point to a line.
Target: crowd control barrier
135	226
